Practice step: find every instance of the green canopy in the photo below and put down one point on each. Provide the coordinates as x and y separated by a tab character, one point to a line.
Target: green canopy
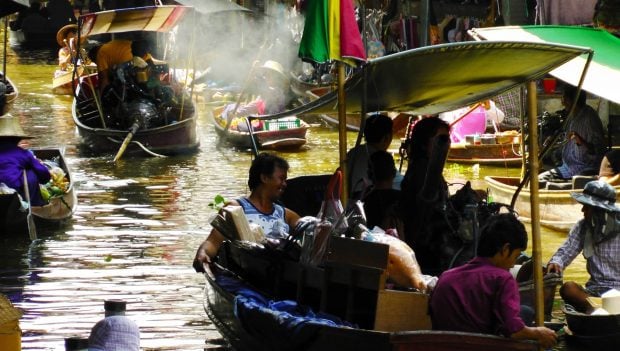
440	78
603	74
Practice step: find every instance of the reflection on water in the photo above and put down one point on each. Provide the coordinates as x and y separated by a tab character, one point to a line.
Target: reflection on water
137	226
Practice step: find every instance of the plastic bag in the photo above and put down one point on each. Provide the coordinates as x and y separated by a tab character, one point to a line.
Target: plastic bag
331	208
403	268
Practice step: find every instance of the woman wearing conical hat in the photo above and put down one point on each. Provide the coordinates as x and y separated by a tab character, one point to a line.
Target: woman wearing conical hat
66	38
15	159
271	85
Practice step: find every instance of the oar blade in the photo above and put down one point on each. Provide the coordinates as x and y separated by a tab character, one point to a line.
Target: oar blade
32	229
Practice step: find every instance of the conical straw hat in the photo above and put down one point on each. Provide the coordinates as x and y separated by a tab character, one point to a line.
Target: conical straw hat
8	312
61	35
9	127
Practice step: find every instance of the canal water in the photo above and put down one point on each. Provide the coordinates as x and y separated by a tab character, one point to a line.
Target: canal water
138	224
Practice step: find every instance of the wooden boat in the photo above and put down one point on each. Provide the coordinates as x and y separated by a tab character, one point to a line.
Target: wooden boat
485	154
10	94
558	210
334	292
300	87
64	82
596	332
282	133
56	212
152	126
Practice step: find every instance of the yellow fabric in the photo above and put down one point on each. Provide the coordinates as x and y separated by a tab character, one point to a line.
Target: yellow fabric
10	336
334	29
113	53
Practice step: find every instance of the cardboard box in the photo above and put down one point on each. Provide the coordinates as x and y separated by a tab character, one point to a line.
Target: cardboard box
402	310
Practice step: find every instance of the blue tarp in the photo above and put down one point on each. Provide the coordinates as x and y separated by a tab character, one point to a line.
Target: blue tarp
283	325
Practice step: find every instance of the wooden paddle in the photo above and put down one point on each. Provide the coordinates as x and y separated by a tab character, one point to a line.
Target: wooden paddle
132	131
32	230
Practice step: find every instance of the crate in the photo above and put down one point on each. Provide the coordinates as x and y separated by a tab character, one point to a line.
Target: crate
280	124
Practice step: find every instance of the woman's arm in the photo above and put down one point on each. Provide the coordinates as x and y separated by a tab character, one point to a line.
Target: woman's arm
291	218
207	250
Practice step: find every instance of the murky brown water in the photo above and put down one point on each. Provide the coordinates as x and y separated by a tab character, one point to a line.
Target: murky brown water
137	225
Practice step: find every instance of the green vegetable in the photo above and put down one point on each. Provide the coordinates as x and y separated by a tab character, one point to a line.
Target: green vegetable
218	203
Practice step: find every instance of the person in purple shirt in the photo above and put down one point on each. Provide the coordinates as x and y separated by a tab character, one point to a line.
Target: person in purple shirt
14	160
482	296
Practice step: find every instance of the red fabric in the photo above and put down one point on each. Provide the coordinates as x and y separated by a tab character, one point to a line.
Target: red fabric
350	38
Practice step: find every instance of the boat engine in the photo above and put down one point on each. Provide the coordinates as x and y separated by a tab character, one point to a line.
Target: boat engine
141	111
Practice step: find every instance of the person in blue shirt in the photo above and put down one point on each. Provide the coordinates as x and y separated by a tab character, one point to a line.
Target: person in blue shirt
267	181
585	137
14	160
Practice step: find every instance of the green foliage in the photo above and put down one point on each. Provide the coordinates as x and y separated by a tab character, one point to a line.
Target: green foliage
218	202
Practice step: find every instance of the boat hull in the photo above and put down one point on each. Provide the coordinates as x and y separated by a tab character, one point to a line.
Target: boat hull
558	210
171	139
289	138
220	307
55	213
597	332
10	94
63	82
491	154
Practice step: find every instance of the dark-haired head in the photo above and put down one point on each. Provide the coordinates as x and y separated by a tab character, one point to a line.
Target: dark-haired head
378	128
265	164
422	133
140	47
570	94
501	229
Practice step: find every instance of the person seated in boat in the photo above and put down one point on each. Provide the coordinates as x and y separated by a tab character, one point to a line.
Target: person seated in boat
584	148
610	168
272	86
267	181
378	135
510	104
14	160
596	235
482	296
380	202
119	51
66	38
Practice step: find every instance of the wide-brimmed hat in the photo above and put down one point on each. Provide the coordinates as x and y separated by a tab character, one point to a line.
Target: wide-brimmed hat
9	127
62	33
275	68
599	194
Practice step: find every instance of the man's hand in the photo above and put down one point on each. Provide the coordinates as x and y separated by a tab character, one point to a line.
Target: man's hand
574	136
547	338
554	268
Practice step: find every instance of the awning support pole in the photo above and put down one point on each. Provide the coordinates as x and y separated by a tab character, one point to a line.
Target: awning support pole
534	203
